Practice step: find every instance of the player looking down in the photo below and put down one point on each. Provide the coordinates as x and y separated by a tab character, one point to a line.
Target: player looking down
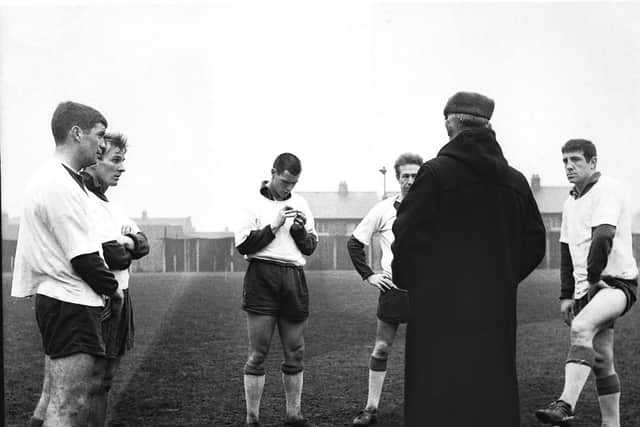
275	233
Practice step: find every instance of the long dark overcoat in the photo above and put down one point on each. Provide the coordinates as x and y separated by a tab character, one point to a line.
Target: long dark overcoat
466	234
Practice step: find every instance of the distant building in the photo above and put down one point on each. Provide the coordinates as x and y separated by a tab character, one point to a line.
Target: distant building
550	200
157	230
338	213
202	251
177	247
336	216
162	227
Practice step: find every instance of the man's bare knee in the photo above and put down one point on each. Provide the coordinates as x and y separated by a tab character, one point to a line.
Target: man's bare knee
603	365
381	349
582	333
255	363
69	403
73	380
294	360
295	354
602	368
257	357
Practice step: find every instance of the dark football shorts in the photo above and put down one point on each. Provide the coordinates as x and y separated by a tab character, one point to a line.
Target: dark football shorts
393	306
118	330
68	328
275	289
629	287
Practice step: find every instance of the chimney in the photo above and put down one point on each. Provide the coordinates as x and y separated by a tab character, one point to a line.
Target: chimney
535	182
342	188
144	214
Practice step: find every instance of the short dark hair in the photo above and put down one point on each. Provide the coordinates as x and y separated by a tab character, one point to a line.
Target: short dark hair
69	114
407	159
587	148
116	140
287	162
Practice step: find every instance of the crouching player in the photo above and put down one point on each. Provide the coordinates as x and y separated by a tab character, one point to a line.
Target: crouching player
599	282
393	303
275	234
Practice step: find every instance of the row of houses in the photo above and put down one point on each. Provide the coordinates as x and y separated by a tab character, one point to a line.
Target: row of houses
177	247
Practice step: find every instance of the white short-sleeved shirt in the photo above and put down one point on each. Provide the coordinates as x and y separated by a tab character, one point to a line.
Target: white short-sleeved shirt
260	212
379	220
109	220
604	203
55	227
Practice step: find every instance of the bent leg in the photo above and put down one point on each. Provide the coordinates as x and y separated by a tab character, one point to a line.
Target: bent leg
292	337
385	334
73	381
605	306
260	329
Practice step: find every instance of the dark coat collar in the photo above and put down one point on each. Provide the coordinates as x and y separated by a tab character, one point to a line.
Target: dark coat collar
91	184
76	176
479	150
266	191
575	192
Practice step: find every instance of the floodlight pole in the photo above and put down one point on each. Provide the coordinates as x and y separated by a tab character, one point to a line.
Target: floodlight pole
383	171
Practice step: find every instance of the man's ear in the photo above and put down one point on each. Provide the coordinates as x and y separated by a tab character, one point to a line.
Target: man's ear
75	133
594	161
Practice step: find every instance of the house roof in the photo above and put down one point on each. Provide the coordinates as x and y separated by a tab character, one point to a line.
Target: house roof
159	231
336	205
551	199
209	235
355	205
185	223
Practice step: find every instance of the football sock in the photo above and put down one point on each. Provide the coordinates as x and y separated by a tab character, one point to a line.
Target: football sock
253	386
609	400
377	373
580	361
293	393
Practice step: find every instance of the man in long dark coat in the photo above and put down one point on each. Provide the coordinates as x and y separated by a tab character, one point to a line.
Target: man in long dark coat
466	234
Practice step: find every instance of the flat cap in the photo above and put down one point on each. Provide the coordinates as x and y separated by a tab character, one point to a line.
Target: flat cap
471	103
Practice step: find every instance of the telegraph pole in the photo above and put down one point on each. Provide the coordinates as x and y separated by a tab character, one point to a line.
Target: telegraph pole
383	171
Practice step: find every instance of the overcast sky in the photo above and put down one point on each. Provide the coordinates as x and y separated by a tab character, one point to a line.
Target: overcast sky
209	94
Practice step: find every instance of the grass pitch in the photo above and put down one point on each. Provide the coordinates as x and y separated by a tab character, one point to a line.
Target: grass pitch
191	345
